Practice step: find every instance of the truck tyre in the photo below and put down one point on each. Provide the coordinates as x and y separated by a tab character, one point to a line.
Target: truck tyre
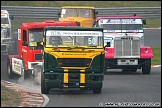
96	90
146	68
9	70
44	90
4	57
105	68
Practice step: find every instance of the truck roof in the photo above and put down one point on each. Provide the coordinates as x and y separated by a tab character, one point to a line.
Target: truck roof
117	17
4	11
84	7
33	25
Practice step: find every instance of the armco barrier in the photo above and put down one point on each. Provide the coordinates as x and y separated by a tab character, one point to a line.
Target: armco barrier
52	12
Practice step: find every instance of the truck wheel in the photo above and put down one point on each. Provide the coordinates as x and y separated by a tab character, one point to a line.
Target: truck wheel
9	70
96	90
105	67
44	90
146	68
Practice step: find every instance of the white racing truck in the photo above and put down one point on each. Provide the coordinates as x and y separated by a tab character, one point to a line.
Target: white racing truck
6	39
124	43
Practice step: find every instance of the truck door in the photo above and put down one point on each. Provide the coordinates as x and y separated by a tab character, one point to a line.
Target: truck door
24	47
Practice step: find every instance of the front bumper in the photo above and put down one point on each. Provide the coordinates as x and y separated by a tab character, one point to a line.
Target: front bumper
32	64
57	80
112	63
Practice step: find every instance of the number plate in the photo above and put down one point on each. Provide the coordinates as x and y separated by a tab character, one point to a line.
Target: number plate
127	62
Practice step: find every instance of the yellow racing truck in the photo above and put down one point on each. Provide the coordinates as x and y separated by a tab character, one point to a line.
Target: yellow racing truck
83	15
73	57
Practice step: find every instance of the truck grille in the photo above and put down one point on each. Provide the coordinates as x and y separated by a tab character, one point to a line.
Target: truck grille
125	47
38	57
74	62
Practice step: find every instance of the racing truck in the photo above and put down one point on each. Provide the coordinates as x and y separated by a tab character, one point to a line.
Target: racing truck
84	16
30	34
124	43
73	58
6	39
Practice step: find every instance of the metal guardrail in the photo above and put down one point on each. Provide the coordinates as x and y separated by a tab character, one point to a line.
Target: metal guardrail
52	12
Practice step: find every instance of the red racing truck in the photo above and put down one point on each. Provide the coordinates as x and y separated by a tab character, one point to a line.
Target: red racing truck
124	43
29	55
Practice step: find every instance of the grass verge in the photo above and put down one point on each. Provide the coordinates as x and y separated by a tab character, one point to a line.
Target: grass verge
9	97
157	56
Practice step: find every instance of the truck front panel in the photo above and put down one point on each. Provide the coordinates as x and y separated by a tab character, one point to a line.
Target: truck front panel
75	70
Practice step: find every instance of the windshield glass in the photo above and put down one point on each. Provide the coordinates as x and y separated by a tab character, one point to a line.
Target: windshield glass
86	13
4	20
35	35
74	38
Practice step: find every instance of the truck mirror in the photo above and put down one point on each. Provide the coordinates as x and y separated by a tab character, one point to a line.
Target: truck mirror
93	23
59	13
11	17
39	44
107	44
144	22
24	43
96	12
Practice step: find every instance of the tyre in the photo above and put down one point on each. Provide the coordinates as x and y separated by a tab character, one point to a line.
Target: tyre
96	90
105	67
9	70
44	90
4	57
146	68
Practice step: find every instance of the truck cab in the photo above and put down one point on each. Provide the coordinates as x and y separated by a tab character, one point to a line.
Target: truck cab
124	43
83	15
5	32
73	57
30	36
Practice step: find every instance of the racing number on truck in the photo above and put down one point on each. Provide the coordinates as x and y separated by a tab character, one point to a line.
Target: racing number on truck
91	41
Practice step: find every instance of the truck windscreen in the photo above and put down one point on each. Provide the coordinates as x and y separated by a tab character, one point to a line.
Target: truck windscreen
35	35
74	38
4	20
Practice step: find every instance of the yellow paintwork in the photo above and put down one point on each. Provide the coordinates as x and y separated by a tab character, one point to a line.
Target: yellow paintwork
74	53
82	78
65	77
84	22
